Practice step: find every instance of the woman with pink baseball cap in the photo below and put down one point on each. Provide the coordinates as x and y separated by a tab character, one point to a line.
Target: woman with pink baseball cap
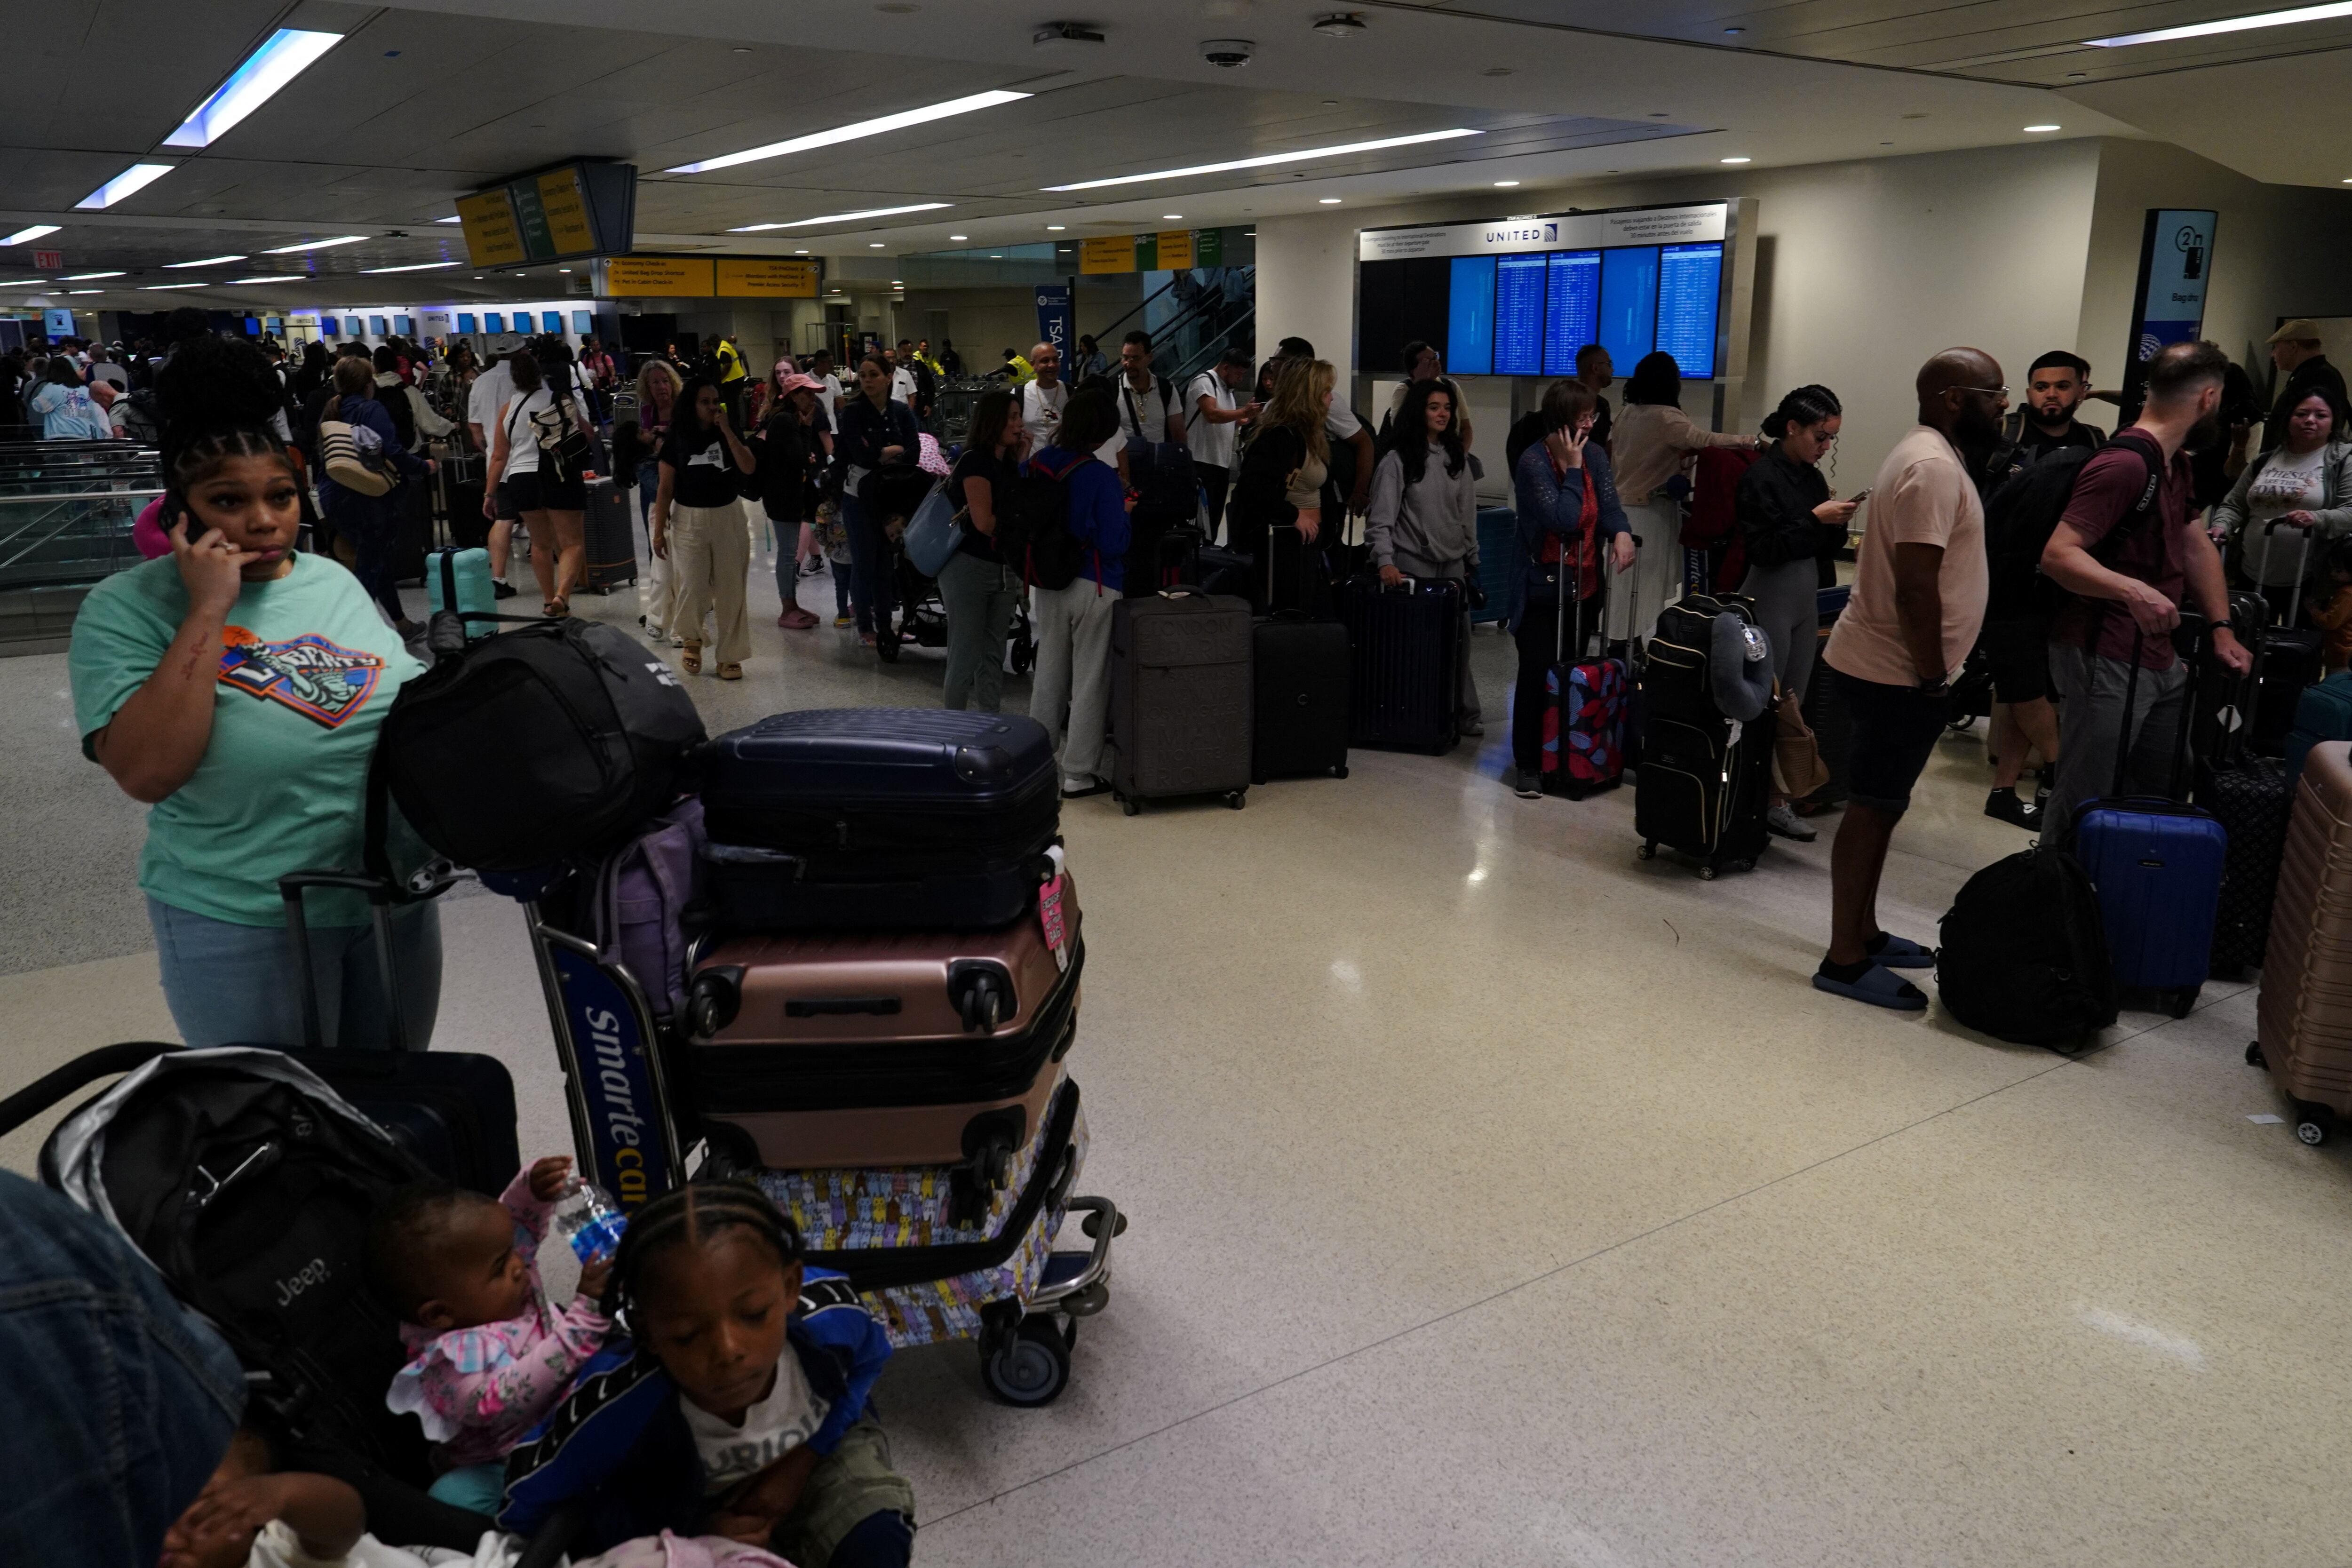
796	444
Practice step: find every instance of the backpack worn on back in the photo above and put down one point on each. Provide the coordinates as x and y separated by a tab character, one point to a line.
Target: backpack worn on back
2024	952
249	1183
1712	522
553	740
1032	526
2024	511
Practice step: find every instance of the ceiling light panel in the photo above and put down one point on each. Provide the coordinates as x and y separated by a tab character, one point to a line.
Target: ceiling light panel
1271	158
2227	24
839	134
281	278
131	180
316	245
26	236
843	217
86	277
418	267
285	55
207	261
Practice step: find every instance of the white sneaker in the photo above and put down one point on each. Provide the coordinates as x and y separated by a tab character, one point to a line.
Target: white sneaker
1788	824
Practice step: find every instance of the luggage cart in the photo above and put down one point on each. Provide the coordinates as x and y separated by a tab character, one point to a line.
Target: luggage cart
1021	1305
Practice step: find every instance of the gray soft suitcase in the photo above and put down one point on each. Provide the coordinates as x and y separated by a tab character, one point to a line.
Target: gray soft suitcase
1180	696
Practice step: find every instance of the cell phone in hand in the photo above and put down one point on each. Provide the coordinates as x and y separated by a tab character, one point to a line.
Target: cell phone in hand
1862	495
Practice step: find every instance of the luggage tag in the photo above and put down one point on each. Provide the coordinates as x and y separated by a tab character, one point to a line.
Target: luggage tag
1049	911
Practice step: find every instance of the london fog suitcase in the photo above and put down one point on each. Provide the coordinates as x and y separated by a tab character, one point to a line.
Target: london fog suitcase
1179	697
2304	1013
877	819
886	1047
2158	864
1584	704
610	529
1405	687
1705	780
1298	708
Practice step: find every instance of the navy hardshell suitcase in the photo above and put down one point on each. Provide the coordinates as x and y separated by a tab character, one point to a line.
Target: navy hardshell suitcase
2158	865
1299	709
878	818
1406	642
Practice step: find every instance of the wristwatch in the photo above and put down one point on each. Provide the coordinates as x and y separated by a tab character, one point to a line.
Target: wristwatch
1939	687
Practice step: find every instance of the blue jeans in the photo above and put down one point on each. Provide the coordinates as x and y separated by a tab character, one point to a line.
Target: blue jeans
235	984
131	1400
373	525
869	566
648	485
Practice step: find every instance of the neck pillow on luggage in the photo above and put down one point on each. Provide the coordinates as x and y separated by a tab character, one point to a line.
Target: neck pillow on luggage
1739	668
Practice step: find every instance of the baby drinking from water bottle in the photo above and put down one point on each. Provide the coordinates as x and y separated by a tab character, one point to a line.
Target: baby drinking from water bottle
489	1354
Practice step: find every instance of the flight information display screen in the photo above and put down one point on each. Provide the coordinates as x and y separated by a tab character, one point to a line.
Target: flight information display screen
1470	317
1690	284
1629	304
1518	315
1571	307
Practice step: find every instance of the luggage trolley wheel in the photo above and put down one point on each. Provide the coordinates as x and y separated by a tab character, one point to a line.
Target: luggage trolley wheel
1130	807
1341	771
1235	798
1031	1365
1706	873
2254	1057
2314	1125
1648	851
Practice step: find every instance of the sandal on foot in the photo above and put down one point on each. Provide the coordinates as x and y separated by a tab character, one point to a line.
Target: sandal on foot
1900	952
1879	986
692	660
731	672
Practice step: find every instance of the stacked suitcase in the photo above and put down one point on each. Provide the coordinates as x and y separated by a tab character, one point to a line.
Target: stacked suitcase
2304	1015
877	1026
1705	779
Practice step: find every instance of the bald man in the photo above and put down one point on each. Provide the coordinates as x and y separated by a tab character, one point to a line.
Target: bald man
1918	602
1042	400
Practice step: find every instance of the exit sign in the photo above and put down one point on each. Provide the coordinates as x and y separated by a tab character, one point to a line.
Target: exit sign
49	260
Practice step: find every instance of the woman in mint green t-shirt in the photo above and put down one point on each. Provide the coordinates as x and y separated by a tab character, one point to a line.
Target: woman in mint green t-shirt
236	686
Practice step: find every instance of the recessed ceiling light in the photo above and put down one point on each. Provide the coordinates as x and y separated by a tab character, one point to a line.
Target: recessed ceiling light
2227	24
2036	129
1505	185
477	278
997	257
739	49
1329	201
158	288
873	244
1056	227
131	180
1171	218
559	269
1735	159
24	235
283	55
875	127
278	278
419	266
207	261
799	253
453	217
959	236
1272	157
85	291
1735	32
843	217
316	245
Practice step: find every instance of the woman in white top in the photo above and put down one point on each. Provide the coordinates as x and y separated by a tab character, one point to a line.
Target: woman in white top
2305	481
1651	441
540	467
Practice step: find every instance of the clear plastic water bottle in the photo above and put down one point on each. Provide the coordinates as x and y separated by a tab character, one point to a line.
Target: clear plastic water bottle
589	1220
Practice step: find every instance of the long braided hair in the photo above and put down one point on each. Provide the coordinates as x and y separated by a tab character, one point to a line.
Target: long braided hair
691	1215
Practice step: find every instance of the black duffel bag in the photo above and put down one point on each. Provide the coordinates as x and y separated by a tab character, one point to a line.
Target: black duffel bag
2024	952
553	740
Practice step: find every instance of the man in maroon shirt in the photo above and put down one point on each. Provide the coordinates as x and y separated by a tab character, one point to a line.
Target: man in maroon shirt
2130	553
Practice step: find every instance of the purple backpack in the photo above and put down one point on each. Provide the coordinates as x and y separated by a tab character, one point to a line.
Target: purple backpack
636	916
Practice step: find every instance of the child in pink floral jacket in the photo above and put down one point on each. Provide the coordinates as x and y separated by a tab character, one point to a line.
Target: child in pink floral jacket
489	1354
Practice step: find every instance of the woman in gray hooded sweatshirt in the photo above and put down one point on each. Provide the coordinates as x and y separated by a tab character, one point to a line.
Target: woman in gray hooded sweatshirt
1424	517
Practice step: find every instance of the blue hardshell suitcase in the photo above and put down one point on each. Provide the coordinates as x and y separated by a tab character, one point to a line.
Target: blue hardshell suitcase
878	818
2158	865
1498	555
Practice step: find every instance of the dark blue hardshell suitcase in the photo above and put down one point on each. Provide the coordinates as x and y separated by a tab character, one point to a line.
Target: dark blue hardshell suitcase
878	818
1406	644
2158	865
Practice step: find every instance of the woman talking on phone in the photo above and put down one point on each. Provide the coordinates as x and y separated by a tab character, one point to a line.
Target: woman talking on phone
1567	505
236	686
1793	530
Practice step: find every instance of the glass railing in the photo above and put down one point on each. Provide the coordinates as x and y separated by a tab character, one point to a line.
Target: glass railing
65	511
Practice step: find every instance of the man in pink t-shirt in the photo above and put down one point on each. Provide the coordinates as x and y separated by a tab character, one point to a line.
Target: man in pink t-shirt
1918	602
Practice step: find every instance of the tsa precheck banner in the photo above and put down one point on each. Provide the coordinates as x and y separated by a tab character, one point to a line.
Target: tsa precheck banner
2175	261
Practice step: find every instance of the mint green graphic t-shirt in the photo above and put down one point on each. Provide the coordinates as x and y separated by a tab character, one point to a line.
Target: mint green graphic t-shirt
308	669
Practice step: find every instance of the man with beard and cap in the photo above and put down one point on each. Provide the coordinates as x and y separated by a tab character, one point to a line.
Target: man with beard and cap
2129	551
1918	603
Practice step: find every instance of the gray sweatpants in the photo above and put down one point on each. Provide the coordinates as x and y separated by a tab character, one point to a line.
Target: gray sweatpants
2091	727
1787	606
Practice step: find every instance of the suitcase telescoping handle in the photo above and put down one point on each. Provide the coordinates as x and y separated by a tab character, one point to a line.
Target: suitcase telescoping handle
2302	565
2191	631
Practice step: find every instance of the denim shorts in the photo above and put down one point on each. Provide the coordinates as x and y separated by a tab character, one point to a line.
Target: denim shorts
1896	729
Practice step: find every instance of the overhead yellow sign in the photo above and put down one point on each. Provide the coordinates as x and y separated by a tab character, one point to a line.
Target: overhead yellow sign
766	278
1106	253
493	238
663	276
1176	249
565	204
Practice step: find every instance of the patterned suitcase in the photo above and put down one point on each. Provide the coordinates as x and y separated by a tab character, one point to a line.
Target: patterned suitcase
2304	1013
1405	687
1584	706
923	1262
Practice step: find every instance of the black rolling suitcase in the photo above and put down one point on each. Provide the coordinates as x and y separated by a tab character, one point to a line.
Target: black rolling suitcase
1299	710
2286	655
1179	697
609	531
1705	780
458	491
1404	690
878	818
2251	796
413	503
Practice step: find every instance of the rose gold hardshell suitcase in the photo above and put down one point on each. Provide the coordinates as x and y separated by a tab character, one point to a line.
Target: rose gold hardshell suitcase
2304	1019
